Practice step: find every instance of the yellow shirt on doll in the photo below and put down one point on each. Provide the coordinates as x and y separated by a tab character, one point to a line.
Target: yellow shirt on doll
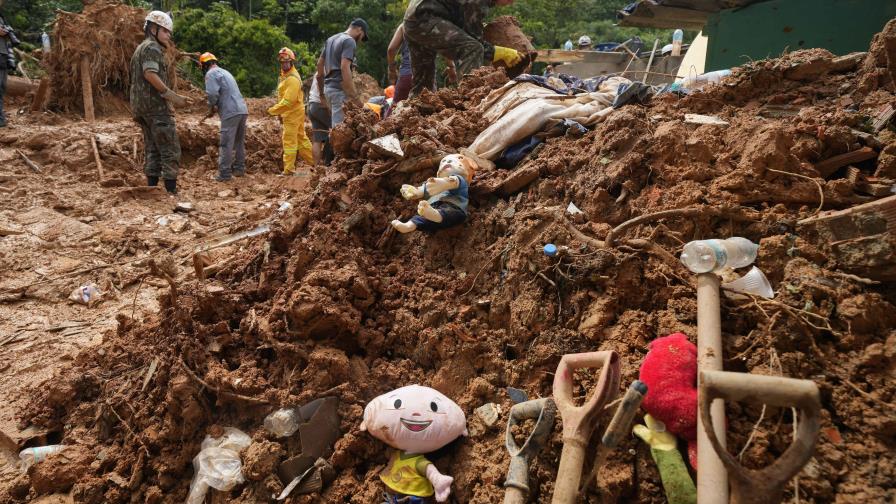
406	474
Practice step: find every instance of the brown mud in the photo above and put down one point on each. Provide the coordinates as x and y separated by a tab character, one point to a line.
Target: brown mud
331	302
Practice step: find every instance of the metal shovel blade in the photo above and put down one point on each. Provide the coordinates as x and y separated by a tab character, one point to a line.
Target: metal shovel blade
763	486
543	411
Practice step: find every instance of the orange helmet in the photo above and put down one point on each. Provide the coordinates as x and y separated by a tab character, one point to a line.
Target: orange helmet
390	92
286	54
206	57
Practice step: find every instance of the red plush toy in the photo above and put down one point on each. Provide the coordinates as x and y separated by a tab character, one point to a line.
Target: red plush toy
670	372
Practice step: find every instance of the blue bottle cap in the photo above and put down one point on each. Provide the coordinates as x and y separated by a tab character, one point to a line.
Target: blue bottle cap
550	250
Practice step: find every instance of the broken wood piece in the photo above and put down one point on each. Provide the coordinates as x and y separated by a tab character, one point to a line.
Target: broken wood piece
704	119
18	86
40	97
867	219
419	163
867	138
862	239
775	111
519	179
827	167
31	164
388	145
149	373
884	114
87	90
96	156
847	62
227	240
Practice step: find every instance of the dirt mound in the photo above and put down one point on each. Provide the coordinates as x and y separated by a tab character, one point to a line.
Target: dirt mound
331	302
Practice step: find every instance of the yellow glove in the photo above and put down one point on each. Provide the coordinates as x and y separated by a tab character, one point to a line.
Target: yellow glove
510	57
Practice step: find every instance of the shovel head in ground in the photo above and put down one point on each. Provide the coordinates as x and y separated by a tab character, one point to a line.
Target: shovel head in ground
543	412
763	486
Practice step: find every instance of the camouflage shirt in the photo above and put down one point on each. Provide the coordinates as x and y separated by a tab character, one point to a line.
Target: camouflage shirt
145	100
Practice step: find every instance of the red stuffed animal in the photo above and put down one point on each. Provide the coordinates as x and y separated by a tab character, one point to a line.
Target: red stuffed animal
670	372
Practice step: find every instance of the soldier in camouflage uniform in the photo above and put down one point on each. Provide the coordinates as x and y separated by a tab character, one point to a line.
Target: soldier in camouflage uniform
453	28
150	99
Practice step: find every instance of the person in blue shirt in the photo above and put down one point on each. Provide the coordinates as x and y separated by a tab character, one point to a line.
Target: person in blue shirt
225	98
444	197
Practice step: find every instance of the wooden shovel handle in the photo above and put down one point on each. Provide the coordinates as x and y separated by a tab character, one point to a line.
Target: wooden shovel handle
578	421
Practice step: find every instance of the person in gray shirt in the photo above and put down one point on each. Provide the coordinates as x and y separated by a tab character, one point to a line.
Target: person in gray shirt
224	97
334	69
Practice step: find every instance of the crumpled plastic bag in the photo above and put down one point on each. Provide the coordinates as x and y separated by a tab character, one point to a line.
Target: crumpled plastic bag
218	464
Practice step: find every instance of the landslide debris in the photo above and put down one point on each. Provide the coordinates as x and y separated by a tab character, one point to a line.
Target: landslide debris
333	303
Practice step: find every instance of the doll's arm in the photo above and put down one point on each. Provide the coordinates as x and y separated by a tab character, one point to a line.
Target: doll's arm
440	482
409	192
435	185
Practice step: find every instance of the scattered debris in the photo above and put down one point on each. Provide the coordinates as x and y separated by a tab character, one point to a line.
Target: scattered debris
704	119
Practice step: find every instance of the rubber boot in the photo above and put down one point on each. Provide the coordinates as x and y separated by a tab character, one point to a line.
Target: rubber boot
152	181
171	185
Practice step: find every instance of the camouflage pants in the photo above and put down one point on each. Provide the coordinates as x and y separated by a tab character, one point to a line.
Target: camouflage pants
161	145
430	36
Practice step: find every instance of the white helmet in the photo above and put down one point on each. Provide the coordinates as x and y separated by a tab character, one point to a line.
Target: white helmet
584	40
160	18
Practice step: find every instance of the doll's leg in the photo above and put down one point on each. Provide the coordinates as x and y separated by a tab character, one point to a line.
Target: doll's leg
404	227
428	212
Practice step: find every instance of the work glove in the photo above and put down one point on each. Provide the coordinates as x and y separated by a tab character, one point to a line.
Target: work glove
677	481
410	192
510	57
175	99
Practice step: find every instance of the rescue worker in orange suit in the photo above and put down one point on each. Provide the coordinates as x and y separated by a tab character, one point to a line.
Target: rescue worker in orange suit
291	109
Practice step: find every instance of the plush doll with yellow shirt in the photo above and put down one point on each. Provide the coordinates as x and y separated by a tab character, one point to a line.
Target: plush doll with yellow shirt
414	420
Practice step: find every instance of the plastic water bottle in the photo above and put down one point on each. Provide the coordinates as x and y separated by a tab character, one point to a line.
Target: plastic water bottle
703	256
31	456
677	39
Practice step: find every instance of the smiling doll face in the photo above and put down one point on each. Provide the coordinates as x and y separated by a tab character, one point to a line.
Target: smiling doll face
414	419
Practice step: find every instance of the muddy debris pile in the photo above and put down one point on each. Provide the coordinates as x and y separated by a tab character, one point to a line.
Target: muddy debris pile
115	30
332	303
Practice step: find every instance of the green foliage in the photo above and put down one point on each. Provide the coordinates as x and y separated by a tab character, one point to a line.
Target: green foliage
333	16
29	17
551	23
246	48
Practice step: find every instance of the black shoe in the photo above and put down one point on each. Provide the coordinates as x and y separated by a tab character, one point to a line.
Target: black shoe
171	185
219	178
152	181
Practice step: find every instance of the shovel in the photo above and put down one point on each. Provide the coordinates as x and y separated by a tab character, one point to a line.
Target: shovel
763	486
579	421
543	412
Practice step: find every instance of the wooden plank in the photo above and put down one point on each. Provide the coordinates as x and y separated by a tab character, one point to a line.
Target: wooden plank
87	90
885	113
559	56
854	222
96	156
827	167
18	86
658	16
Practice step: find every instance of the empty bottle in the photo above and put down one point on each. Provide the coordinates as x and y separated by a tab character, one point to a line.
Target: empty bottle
677	39
31	456
703	256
